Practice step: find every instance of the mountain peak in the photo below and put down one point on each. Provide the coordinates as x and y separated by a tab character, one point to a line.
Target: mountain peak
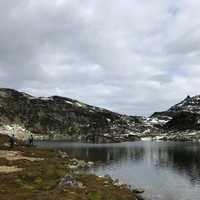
189	104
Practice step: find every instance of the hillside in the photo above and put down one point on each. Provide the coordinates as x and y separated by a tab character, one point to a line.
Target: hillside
182	116
61	117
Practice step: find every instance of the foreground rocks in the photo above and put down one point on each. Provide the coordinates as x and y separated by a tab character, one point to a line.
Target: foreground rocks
69	181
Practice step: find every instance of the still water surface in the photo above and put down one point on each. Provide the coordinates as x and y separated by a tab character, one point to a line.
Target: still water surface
167	170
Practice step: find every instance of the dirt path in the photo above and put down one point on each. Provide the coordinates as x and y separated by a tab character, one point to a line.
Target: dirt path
9	169
12	156
16	155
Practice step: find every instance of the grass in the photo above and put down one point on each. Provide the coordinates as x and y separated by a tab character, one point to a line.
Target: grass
39	180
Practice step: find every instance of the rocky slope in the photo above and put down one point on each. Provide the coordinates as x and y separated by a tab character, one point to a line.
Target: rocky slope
58	117
61	117
182	116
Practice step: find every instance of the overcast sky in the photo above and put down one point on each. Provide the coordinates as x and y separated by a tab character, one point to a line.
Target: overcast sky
130	56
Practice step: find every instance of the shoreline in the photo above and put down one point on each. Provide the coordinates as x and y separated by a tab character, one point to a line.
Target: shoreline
28	172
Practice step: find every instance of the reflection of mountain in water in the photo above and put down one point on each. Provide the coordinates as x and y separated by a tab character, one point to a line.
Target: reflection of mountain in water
167	170
186	161
184	158
106	154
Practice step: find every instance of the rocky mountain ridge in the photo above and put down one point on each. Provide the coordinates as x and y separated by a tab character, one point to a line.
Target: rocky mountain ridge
59	117
183	116
63	117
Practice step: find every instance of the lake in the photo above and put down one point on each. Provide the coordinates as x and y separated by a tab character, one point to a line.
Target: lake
166	170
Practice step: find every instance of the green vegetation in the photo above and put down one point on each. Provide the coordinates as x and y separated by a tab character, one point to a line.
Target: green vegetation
41	179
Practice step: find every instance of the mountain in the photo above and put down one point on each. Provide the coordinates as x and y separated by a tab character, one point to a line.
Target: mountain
61	117
182	116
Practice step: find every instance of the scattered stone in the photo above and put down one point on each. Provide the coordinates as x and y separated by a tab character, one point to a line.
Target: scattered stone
63	155
108	177
139	197
117	183
106	183
90	164
138	190
82	164
79	164
73	167
70	181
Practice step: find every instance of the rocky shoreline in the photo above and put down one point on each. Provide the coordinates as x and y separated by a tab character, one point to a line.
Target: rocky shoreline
31	173
186	136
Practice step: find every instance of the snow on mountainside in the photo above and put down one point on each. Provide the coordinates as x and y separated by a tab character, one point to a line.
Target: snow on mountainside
61	117
182	116
189	104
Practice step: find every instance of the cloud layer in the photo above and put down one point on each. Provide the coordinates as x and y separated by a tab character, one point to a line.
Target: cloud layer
131	56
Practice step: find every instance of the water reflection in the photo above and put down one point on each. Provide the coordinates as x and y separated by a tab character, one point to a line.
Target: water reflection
186	160
168	170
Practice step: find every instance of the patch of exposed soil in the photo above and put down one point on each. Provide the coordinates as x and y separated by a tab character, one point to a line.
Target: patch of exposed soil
16	155
9	169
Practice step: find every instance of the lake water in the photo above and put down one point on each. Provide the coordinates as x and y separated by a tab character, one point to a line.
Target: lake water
166	170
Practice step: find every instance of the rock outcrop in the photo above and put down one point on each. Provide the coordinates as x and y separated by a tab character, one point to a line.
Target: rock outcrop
61	117
182	116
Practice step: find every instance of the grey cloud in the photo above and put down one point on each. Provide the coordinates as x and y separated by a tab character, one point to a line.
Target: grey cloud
119	55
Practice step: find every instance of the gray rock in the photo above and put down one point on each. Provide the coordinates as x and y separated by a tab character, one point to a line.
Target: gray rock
70	181
61	117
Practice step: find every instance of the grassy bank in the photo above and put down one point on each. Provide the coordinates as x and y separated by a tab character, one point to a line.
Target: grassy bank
39	174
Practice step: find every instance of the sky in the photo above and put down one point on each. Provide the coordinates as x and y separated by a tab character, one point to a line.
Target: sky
131	56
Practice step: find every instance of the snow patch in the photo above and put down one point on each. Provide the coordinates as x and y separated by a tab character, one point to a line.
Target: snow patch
191	134
109	120
46	98
159	137
78	104
20	132
146	139
156	120
68	102
147	131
